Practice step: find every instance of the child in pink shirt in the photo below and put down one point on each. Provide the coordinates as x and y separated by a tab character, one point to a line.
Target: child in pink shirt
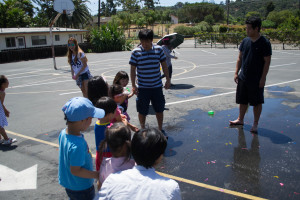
118	139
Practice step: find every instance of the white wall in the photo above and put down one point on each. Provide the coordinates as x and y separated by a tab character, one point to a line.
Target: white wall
28	42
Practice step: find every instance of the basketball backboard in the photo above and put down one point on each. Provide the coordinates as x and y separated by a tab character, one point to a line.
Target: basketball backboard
64	5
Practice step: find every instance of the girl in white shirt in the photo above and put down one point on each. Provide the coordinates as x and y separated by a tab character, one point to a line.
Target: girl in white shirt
79	68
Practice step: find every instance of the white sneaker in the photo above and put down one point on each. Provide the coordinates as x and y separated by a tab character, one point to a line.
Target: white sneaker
9	141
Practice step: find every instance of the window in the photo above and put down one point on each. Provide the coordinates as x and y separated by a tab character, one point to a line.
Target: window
38	40
10	42
57	38
21	42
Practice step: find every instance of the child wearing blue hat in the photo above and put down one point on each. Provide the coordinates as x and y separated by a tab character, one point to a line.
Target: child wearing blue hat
75	171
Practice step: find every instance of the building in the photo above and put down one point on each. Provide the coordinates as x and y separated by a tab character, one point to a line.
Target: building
103	20
16	38
174	19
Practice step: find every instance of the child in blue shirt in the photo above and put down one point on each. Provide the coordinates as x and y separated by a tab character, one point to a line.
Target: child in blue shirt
75	171
110	107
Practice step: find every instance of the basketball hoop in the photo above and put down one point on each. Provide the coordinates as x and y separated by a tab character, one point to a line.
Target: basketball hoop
64	6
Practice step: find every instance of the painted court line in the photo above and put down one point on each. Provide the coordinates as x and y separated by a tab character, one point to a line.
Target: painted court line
195	183
209	52
226	93
273	66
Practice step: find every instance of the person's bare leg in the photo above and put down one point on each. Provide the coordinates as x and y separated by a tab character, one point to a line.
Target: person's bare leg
160	119
240	119
84	88
256	112
3	133
142	119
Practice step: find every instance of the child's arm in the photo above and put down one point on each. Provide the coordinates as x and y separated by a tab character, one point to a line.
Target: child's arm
130	95
83	173
133	127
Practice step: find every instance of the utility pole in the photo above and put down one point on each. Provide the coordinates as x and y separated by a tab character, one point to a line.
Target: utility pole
228	11
99	13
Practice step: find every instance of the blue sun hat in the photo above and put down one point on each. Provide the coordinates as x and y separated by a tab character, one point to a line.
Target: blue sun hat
80	108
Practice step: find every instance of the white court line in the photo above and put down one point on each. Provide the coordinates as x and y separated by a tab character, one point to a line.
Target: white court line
29	85
287	53
209	52
226	72
70	93
216	64
222	94
20	86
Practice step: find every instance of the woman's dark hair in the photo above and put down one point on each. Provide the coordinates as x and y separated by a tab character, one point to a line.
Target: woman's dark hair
120	75
97	88
115	89
107	104
3	79
115	137
147	146
255	22
146	34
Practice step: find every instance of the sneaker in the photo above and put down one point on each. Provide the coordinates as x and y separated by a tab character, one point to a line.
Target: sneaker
1	141
9	141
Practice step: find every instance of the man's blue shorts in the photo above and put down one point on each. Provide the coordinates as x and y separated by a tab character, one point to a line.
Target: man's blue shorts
145	95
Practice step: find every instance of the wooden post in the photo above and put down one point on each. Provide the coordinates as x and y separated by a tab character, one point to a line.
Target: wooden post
51	37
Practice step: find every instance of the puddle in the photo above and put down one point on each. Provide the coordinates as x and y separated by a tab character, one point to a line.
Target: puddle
205	92
280	91
208	151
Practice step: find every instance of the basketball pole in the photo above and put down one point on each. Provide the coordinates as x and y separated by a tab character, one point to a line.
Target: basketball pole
51	37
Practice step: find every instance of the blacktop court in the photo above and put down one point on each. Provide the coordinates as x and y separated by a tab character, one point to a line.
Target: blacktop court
208	159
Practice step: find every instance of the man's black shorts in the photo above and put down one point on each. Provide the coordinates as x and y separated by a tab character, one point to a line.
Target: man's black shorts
145	95
249	93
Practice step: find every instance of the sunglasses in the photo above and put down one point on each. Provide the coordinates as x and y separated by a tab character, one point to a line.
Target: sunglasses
71	45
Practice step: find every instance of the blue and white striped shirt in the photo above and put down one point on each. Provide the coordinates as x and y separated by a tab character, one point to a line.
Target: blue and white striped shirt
148	66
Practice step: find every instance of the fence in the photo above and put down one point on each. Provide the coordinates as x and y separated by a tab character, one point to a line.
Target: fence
232	40
15	55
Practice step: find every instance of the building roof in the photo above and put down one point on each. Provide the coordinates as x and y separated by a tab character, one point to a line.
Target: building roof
5	31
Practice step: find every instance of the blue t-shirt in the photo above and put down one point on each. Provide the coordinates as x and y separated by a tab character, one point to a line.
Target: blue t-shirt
73	151
100	133
253	54
148	66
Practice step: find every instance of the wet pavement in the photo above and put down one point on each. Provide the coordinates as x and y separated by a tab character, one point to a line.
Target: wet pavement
265	164
202	148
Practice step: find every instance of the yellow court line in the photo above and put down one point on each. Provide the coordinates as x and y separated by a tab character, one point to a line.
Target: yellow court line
206	186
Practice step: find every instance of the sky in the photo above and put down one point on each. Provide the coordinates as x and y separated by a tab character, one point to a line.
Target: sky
94	3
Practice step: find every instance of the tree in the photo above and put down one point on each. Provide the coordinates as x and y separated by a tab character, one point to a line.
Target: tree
209	19
252	14
150	16
269	7
279	17
16	13
109	8
197	11
46	14
150	4
130	5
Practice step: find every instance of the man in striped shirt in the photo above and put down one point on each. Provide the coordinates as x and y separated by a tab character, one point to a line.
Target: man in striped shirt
145	64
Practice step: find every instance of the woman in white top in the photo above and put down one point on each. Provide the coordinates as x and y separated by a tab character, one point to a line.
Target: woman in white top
79	68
